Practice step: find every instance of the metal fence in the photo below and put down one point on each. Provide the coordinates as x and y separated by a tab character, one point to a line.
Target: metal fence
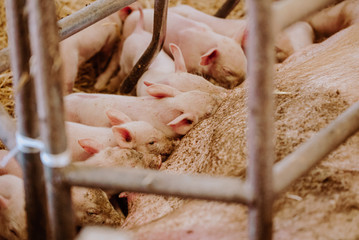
40	115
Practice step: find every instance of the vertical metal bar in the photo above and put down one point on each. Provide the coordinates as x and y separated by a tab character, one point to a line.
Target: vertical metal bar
158	38
226	8
34	184
260	119
46	65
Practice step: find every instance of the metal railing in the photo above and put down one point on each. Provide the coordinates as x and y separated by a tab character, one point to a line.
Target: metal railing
264	181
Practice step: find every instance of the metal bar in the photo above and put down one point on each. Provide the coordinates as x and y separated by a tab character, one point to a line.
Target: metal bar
89	15
152	181
260	118
7	128
25	107
155	46
311	152
289	11
47	73
226	8
76	22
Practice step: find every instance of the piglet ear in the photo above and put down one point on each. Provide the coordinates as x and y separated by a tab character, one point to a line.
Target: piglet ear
180	65
126	11
3	203
183	123
123	137
162	91
209	57
117	117
90	145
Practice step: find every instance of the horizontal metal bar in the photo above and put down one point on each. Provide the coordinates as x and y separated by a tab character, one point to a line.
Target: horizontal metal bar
227	189
307	155
289	11
76	22
89	15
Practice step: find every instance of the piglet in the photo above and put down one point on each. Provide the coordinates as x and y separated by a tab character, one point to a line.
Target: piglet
12	167
133	48
12	208
294	38
233	28
92	206
171	111
205	52
179	79
334	18
80	47
118	157
138	135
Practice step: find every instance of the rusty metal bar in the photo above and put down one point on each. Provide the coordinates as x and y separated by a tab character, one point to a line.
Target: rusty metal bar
311	152
25	106
7	129
289	11
76	22
260	118
226	8
46	66
89	15
152	181
155	46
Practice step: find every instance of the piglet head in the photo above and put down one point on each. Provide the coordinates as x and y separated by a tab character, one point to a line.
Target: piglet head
143	137
226	63
194	106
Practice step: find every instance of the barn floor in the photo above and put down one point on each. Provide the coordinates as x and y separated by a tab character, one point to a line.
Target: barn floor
324	204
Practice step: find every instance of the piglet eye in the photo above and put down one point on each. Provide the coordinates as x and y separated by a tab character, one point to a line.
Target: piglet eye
152	142
227	71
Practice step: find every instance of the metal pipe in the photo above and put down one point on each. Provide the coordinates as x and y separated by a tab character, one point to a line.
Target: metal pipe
7	129
311	152
25	107
152	181
226	8
76	22
155	46
289	11
46	66
260	118
89	15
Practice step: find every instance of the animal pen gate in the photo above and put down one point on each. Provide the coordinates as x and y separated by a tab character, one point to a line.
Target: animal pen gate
264	182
